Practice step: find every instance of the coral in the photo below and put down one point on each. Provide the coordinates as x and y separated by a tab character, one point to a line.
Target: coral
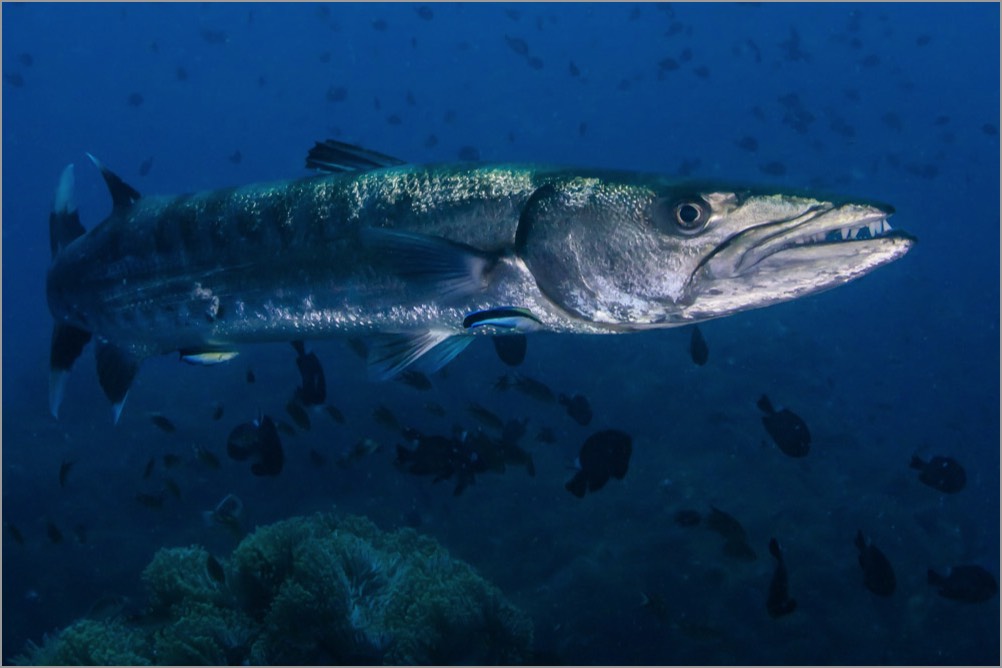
87	642
180	575
309	590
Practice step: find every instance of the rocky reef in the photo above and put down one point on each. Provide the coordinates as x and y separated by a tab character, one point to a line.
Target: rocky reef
323	589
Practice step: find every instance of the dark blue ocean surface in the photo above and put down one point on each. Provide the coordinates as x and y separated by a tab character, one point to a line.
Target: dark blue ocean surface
897	103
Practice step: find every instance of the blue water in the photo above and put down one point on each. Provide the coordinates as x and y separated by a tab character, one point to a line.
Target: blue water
896	102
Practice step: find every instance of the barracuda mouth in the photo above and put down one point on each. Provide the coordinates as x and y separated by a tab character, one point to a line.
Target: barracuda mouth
820	248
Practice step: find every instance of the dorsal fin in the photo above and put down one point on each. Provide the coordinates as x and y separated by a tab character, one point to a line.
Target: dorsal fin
64	222
122	194
337	157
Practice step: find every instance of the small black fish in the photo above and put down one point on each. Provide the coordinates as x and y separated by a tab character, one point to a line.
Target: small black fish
337	94
171	460
285	428
735	539
687	518
469	154
546	435
380	25
135	99
970	584
534	389
313	391
151	500
485	416
698	349
148	469
205	457
414	378
298	414
55	535
335	414
215	570
573	70
424	12
15	533
536	63
172	487
394	119
434	408
317	459
162	423
510	348
942	473
517	44
14	79
217	411
26	59
577	407
145	166
358	346
786	428
64	471
181	74
779	602
385	417
878	575
774	168
236	157
258	439
605	454
214	36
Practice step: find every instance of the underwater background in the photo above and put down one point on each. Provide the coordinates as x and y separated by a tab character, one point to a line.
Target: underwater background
892	102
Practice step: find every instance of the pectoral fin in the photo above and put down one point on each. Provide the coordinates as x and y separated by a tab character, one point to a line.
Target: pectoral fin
450	268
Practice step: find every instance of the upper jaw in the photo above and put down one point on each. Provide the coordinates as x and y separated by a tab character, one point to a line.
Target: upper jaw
822	229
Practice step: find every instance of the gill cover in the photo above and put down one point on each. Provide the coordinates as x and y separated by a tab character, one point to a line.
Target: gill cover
618	254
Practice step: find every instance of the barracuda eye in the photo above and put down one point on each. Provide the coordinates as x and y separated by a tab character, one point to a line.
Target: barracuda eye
687	214
691	215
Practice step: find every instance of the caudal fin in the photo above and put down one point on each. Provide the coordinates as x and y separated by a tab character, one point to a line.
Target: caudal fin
67	341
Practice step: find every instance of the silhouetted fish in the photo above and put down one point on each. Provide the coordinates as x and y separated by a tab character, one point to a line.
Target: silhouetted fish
258	439
698	349
779	602
577	407
786	428
485	416
605	454
64	471
145	166
735	539
414	378
313	390
687	517
385	417
15	533
942	473
510	348
55	535
236	157
205	457
970	584
172	487
148	469
424	12
14	79
214	36
434	408
546	435
517	44
335	414
162	423
171	460
215	570
878	575
468	154
26	59
135	99
217	411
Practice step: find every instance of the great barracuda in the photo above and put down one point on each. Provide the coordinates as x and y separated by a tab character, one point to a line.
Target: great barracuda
423	257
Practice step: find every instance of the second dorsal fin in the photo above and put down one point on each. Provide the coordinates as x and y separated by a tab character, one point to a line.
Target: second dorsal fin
122	194
337	157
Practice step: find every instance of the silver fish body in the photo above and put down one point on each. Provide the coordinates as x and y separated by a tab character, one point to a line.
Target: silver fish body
415	250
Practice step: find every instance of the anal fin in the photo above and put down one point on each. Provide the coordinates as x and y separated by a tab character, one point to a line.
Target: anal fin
429	350
116	369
